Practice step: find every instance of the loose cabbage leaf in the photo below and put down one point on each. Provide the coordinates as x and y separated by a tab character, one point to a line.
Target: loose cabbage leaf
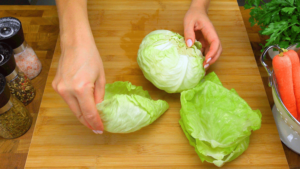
168	63
212	77
127	108
236	150
126	88
216	121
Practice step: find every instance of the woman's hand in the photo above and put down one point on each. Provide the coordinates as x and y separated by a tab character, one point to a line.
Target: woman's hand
80	80
198	26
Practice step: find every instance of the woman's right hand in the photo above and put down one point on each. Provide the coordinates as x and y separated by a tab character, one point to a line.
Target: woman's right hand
80	80
196	22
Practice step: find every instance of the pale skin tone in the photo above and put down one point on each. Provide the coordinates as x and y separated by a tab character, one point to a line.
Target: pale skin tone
80	77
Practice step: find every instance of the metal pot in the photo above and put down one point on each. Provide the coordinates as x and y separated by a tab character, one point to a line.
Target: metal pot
286	116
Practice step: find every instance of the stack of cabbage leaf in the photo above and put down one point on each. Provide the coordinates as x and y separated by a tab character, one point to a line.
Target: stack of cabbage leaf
127	108
216	121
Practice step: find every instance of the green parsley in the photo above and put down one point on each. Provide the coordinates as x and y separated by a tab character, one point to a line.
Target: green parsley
279	19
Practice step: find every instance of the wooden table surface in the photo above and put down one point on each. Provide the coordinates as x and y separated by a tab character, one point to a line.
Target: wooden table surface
41	29
60	141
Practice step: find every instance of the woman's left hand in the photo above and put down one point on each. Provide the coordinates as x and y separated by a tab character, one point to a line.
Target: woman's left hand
198	26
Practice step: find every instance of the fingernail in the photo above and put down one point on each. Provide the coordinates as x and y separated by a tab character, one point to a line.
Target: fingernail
189	43
209	59
206	66
99	131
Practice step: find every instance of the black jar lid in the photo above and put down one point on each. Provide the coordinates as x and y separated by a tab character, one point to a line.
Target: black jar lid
4	91
11	31
7	60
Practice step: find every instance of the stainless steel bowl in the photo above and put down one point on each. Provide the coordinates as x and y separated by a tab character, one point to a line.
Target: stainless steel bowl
286	116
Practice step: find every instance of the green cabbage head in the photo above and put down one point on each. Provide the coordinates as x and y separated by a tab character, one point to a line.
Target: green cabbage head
168	63
217	121
127	108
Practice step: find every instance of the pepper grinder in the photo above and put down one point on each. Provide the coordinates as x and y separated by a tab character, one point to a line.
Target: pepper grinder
15	119
11	32
19	84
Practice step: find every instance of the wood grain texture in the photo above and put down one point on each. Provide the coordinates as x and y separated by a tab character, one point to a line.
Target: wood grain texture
255	39
43	39
60	141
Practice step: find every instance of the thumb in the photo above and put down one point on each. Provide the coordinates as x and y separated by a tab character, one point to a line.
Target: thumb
189	34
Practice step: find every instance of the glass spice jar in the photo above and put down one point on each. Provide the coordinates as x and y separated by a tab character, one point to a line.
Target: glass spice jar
11	32
19	84
15	119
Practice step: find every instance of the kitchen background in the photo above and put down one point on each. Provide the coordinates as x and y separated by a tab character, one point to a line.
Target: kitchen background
52	2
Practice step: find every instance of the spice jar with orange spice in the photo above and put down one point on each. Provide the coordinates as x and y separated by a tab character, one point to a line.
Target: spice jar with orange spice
11	32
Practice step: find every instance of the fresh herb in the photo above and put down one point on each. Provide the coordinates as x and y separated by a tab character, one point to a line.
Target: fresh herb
279	19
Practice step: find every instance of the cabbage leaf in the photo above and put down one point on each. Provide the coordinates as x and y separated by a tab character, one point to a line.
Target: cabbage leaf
127	108
217	121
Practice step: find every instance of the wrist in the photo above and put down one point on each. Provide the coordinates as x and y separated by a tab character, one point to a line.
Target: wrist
74	25
201	5
76	38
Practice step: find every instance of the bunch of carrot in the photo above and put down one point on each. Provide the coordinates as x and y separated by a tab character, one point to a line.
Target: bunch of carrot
286	66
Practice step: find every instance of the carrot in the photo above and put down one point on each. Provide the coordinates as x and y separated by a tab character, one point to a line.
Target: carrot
296	76
298	52
282	67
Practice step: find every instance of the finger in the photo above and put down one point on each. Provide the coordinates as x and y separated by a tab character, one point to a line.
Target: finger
202	50
189	32
208	62
72	103
210	35
55	82
213	49
207	58
206	66
215	58
99	90
54	85
85	97
74	106
206	51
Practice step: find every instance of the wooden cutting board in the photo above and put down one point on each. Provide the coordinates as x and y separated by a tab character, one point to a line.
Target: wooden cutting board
60	141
